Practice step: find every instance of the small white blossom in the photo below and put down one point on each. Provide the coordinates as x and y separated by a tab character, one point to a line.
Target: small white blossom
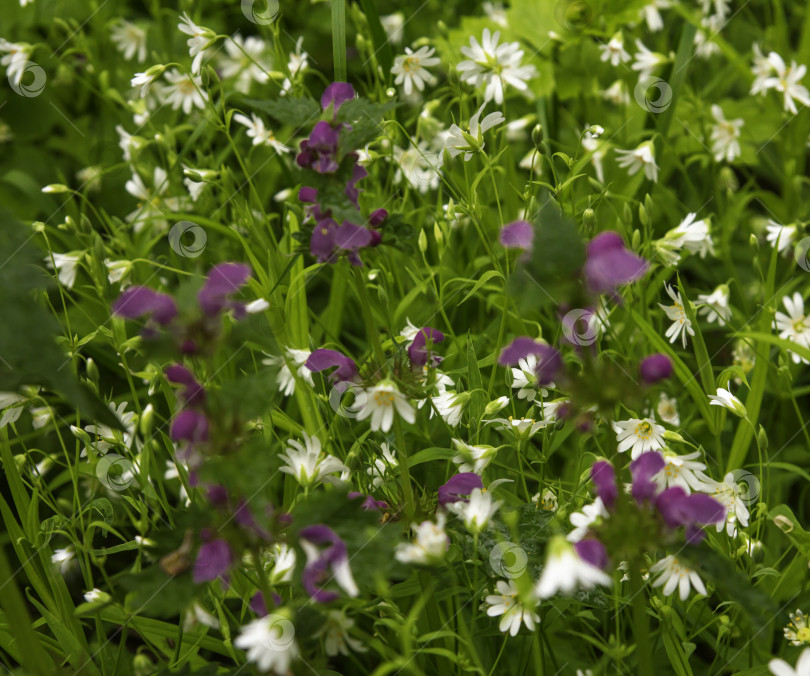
565	571
477	511
781	668
784	235
725	136
514	610
727	400
380	403
246	60
786	81
471	141
335	632
679	470
667	410
583	520
411	69
681	324
184	91
66	265
715	305
795	325
642	157
473	458
429	545
307	463
296	359
129	39
729	494
614	51
270	644
638	435
198	43
673	574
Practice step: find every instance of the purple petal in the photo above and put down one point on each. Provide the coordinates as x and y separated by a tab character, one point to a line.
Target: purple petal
604	478
223	280
192	393
213	560
609	264
458	485
137	301
377	217
593	552
518	349
704	509
517	235
319	534
306	194
643	469
189	426
337	93
352	191
417	352
655	367
672	505
322	241
322	359
351	237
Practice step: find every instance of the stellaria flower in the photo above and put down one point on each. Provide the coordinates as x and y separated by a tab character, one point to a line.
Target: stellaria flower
727	400
667	410
641	157
129	39
246	60
198	42
260	134
477	511
681	324
471	141
411	68
729	494
614	51
780	235
472	458
297	359
270	643
689	234
715	306
725	136
674	574
795	325
798	630
307	463
638	435
781	668
335	632
787	82
429	546
381	401
513	609
589	515
565	570
184	91
679	470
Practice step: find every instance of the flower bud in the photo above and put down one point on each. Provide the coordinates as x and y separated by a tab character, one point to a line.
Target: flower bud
589	219
537	138
655	368
147	421
422	241
496	405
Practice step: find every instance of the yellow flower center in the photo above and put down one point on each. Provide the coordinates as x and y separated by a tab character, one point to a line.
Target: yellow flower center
644	430
384	398
803	635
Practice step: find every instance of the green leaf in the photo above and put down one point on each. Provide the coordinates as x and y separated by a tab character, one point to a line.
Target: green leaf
291	110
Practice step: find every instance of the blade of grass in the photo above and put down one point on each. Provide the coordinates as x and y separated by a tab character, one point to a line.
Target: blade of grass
339	39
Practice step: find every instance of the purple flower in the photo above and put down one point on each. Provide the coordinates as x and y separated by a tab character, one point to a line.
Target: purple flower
306	194
549	360
351	190
322	241
369	503
192	392
217	495
655	367
137	301
609	264
417	350
322	359
190	426
258	606
593	552
223	280
377	217
337	94
319	151
320	562
213	561
679	508
643	469
604	478
351	237
457	486
517	235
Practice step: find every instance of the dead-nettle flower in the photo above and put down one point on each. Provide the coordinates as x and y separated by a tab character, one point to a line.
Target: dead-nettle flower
322	359
681	324
429	545
471	141
457	486
609	264
308	464
795	325
655	368
411	68
325	564
494	66
641	157
420	352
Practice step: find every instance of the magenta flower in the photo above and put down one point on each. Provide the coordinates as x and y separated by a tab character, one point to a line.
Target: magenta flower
609	264
223	280
655	367
549	360
322	359
192	393
517	235
604	478
458	486
418	353
322	241
593	552
213	561
377	217
337	94
643	469
138	301
191	426
320	562
352	191
369	503
307	194
319	151
679	508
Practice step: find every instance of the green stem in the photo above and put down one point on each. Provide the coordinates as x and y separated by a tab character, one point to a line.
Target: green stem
640	620
339	39
404	473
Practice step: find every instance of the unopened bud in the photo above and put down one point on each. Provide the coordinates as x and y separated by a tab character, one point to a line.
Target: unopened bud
496	405
537	138
422	241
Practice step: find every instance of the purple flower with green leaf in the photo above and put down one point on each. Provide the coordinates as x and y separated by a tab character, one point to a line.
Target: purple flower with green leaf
325	564
610	264
223	281
138	301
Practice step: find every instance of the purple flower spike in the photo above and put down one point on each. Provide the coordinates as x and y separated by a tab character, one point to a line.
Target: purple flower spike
322	359
306	194
517	235
337	93
655	367
322	241
678	508
593	552
320	562
137	301
190	426
223	280
643	469
417	350
319	151
609	264
192	393
457	486
352	191
213	561
604	478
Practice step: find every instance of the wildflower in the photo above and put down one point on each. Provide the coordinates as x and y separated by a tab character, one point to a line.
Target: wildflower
322	359
15	59
762	68
715	305
609	264
411	69
222	281
524	378
64	558
285	378
298	62
458	486
336	634
565	570
137	301
781	236
336	94
617	94
151	201
781	668
319	151
641	157
381	402
674	574
472	458
646	61
652	16
521	428
393	25
604	479
725	136
590	514
429	546
679	470
638	435
667	410
419	165
129	39
66	265
270	643
197	43
597	149
786	81
184	91
689	234
213	560
547	501
476	512
549	360
515	611
798	630
105	437
450	406
283	564
655	368
471	141
727	400
795	325
320	562
307	463
381	466
614	51
494	66
260	134
496	13
517	235
681	324
729	494
246	60
419	352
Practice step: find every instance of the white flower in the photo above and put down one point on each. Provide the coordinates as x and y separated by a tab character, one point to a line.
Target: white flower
783	234
583	520
667	410
689	234
195	614
95	595
515	611
652	16
727	400
524	379
476	512
795	325
798	631
729	494
681	324
151	201
307	463
725	136
494	65
617	94
283	564
647	61
106	437
715	305
129	39
709	27
547	501
549	410
679	470
638	435
786	81
429	545
410	68
260	134
298	62
269	643
184	91
642	157
598	150
762	69
496	13
382	466
450	406
392	25
614	51
246	60
15	59
521	428
67	265
565	571
381	401
419	165
197	43
472	458
781	668
64	558
336	634
471	141
674	574
285	378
